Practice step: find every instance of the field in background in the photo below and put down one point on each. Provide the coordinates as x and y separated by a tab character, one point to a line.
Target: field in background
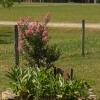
59	12
68	40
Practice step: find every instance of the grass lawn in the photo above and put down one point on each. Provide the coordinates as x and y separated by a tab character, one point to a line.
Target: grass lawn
68	40
59	12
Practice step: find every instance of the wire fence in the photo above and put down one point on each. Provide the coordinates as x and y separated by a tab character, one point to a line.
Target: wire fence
9	43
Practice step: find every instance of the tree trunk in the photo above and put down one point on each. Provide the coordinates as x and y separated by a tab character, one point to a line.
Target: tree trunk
95	1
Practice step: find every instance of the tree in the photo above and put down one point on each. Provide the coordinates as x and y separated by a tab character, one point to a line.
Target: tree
7	3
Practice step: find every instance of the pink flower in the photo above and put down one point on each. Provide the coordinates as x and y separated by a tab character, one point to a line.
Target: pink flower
47	18
45	39
20	44
29	28
20	34
45	33
31	25
28	32
39	28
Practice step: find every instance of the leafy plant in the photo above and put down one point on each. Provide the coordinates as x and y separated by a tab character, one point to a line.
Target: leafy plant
49	84
33	43
39	83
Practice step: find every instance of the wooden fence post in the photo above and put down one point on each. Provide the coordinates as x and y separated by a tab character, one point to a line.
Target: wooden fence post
16	46
83	38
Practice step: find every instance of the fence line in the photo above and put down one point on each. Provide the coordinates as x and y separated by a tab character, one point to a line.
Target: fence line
16	42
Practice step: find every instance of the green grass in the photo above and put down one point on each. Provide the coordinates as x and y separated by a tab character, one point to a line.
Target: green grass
6	54
68	40
59	12
87	67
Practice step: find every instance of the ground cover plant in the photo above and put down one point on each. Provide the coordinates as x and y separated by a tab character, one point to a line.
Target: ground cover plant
69	41
59	12
37	84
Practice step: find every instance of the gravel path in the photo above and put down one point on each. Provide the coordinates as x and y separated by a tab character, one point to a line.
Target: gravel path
64	25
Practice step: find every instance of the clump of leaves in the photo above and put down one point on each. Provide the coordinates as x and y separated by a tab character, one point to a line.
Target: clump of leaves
24	83
74	89
33	43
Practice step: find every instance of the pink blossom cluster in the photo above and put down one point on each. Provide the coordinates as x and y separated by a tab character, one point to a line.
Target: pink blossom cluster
29	28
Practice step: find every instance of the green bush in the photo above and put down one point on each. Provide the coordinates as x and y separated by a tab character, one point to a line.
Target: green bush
38	83
24	83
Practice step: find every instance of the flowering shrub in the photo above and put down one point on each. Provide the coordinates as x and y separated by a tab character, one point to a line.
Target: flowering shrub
7	3
28	29
33	43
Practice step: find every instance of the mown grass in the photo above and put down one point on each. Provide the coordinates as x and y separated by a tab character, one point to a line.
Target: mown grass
68	40
59	12
6	54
